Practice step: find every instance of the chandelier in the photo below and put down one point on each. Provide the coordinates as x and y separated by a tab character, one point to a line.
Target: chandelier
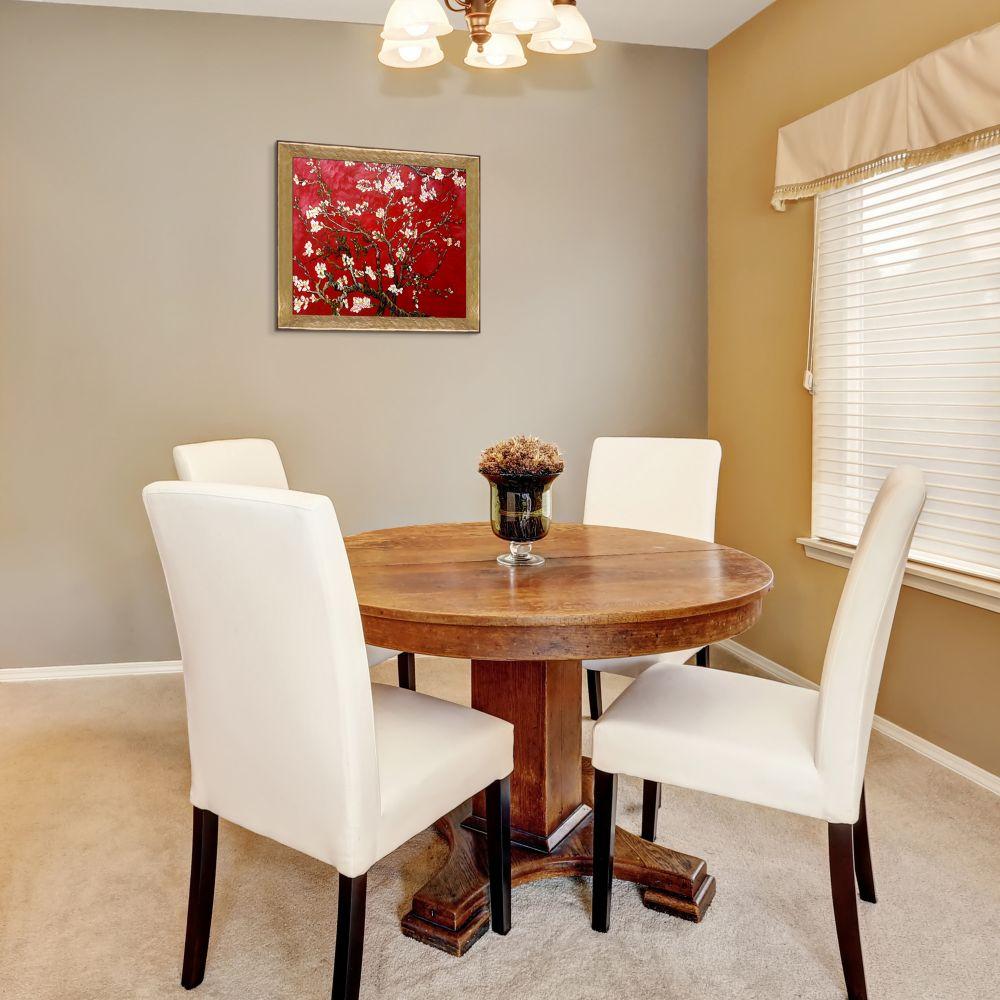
412	28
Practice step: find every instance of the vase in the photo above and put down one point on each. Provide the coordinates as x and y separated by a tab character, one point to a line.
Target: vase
521	513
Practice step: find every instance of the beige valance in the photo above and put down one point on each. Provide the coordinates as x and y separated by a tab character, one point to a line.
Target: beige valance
945	103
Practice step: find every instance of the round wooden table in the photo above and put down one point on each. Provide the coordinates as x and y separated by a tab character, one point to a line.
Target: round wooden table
602	592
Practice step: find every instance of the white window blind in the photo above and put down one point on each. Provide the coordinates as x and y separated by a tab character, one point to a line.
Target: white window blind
906	355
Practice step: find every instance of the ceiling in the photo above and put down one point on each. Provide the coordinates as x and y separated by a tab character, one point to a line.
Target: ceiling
693	24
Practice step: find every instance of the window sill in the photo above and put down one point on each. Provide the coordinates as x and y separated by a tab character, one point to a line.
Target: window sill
943	582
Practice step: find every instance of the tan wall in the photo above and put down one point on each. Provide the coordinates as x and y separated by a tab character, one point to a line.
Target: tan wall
942	678
137	287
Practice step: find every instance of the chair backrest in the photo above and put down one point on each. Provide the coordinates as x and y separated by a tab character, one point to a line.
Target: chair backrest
279	702
654	484
855	655
245	461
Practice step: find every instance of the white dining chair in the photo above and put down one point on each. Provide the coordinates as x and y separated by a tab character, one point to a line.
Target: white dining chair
770	743
651	484
288	736
257	462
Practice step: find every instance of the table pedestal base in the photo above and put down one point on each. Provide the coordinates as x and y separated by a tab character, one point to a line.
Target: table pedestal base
451	912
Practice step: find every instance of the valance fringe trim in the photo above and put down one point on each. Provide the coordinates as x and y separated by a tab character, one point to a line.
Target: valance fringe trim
901	160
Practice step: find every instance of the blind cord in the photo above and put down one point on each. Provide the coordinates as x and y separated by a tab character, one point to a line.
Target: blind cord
808	379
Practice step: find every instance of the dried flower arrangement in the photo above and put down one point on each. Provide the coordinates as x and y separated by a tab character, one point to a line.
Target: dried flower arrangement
521	456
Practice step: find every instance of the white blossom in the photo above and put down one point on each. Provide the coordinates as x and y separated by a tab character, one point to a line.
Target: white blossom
307	250
348	261
314	226
394	289
360	303
459	179
380	213
301	284
438	174
369	271
321	270
390	271
400	253
393	182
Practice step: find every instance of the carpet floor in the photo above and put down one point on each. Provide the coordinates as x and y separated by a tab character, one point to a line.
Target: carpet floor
95	835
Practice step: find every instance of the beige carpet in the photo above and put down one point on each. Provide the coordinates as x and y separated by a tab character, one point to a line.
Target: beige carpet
94	841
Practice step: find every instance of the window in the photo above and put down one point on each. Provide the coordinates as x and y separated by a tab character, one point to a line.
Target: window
906	365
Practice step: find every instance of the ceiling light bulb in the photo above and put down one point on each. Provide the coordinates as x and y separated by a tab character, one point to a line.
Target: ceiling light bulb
412	19
522	17
571	35
410	55
500	52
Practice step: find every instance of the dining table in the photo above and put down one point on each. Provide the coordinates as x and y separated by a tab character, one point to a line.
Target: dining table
602	592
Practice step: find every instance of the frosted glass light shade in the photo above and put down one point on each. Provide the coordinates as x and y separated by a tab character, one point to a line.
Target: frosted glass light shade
412	54
410	20
522	17
571	37
500	52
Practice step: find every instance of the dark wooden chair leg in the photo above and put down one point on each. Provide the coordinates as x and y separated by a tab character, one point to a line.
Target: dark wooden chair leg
845	908
605	809
652	796
595	694
204	850
702	658
407	665
863	855
498	848
350	951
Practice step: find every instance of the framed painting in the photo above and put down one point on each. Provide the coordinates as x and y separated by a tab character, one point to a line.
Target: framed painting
377	239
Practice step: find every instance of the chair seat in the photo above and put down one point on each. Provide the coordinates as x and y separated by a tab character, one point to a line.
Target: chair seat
632	666
377	655
743	737
432	756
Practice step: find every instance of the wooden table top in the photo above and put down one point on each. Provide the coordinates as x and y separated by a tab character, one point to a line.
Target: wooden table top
446	576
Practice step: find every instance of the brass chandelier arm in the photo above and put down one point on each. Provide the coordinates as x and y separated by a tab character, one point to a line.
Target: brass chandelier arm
477	13
465	6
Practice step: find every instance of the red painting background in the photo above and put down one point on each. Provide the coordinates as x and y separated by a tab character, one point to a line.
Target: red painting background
375	239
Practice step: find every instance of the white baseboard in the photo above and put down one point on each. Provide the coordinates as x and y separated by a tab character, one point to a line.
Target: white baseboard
15	675
945	758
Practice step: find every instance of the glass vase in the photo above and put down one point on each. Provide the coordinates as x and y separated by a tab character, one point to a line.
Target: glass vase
521	513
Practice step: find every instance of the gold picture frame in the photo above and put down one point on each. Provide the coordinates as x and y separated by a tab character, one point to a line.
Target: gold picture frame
291	319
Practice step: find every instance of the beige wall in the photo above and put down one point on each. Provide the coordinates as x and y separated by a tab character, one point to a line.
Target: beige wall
942	678
137	287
